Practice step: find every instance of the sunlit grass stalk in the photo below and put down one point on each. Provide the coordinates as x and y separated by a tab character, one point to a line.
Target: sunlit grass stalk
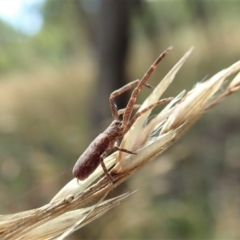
148	140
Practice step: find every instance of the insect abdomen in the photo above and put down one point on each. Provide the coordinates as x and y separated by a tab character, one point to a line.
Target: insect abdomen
90	159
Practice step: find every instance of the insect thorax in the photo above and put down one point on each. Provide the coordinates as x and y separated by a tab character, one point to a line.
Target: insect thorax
115	129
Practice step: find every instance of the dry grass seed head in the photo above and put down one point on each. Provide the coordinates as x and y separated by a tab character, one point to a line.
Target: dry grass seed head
176	118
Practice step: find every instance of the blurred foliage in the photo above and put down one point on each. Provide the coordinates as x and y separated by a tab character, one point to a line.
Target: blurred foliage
8	57
46	85
61	36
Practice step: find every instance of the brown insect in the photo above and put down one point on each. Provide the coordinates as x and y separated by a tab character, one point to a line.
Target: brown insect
105	142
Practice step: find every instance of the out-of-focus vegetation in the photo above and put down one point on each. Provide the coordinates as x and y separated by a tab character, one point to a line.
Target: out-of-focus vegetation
46	87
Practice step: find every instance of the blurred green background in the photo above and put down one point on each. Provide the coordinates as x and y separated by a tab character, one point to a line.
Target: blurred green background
54	89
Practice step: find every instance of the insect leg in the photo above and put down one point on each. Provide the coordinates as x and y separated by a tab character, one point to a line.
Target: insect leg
124	150
137	115
142	82
105	169
120	91
122	111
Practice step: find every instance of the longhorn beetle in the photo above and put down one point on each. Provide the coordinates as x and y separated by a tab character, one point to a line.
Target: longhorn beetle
105	142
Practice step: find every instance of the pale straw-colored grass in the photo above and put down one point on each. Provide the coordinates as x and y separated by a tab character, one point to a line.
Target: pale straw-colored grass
62	216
